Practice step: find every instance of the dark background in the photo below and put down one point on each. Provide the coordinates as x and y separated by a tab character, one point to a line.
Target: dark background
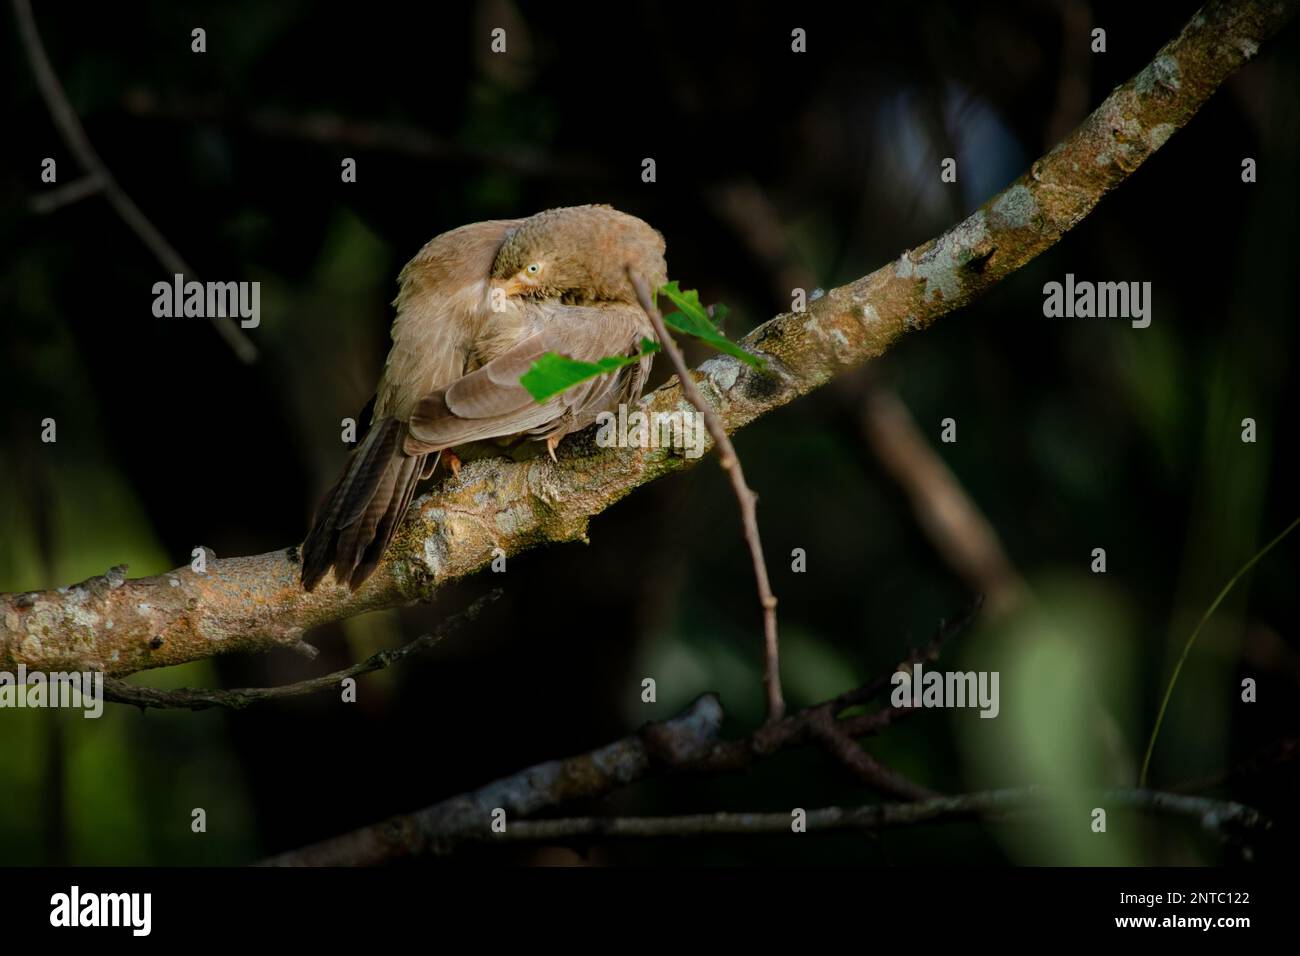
1072	434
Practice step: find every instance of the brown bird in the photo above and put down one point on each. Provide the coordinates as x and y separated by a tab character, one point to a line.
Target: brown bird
475	308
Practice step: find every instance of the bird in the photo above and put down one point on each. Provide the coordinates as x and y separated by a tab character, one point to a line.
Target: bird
476	307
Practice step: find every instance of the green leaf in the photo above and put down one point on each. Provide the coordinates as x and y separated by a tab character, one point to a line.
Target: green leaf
694	320
554	373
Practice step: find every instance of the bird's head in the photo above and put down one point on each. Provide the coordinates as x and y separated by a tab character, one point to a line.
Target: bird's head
579	254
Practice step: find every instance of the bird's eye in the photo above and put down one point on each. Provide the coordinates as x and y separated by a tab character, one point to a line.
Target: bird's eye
534	268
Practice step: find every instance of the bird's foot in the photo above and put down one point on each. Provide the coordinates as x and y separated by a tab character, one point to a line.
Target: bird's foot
551	442
453	462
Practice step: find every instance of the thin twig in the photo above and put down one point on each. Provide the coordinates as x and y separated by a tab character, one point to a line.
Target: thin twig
119	691
339	131
1221	818
836	741
74	136
65	195
1187	647
730	463
837	736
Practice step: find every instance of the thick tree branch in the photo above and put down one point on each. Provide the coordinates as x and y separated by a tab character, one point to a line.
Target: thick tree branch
255	603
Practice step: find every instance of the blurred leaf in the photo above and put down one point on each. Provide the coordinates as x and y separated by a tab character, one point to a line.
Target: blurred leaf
1067	693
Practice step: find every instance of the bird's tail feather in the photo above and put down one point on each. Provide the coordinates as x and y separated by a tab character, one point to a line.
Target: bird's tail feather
359	514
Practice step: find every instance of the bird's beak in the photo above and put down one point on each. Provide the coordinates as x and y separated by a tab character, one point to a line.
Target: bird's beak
519	284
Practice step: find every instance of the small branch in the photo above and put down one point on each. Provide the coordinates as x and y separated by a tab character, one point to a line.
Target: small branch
1221	818
119	691
959	532
75	191
686	744
74	136
837	736
730	463
837	742
337	131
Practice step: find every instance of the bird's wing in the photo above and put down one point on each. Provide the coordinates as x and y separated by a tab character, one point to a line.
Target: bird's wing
442	304
490	403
